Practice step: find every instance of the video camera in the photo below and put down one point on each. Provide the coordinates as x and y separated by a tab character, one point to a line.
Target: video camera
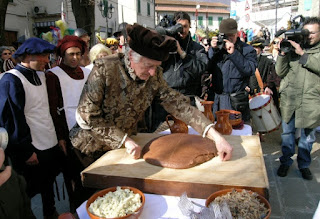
221	42
295	33
169	27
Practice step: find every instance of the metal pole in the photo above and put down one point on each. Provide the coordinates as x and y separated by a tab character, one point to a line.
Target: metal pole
277	1
107	32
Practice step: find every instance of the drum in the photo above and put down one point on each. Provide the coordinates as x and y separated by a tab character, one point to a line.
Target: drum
264	113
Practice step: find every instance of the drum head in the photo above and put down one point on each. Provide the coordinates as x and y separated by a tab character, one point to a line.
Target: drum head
259	101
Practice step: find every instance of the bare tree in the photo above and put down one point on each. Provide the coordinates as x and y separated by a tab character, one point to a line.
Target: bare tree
83	11
3	13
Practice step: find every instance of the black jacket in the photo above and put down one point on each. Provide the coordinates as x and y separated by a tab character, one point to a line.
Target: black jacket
184	75
265	67
231	72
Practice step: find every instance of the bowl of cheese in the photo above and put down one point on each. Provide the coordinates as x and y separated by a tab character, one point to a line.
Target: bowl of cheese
116	203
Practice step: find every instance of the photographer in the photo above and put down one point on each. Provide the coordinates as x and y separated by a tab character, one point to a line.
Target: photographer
183	69
300	102
231	64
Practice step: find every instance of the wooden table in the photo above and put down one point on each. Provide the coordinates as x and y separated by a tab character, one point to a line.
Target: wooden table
246	170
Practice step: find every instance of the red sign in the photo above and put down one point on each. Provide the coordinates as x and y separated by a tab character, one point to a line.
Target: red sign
247	17
247	7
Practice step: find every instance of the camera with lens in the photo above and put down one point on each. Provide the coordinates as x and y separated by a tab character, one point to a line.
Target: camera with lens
295	33
169	27
221	42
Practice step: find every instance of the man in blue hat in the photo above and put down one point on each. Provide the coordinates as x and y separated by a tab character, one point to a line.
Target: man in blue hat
24	113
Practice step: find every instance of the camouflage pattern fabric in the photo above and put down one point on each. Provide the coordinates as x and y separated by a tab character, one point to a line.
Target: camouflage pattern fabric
113	101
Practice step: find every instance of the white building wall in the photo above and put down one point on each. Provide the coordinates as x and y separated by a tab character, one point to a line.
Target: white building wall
125	11
16	18
143	18
215	20
305	10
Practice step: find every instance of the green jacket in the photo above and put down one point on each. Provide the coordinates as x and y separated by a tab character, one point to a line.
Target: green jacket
300	87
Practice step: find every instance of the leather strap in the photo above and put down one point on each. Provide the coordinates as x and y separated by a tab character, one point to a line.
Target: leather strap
259	79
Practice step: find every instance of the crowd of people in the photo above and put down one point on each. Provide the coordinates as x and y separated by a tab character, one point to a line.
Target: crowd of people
62	116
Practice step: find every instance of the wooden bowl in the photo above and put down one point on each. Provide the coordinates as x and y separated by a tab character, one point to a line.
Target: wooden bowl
235	117
225	191
101	193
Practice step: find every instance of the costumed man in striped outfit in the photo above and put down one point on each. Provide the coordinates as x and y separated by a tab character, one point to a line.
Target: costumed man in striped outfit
65	83
24	113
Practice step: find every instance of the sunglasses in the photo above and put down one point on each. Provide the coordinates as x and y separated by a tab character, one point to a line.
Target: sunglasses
276	42
6	53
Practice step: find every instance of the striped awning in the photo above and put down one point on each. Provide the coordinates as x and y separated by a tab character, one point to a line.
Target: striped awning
44	24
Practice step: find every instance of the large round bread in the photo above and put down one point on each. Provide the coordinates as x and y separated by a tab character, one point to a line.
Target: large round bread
179	151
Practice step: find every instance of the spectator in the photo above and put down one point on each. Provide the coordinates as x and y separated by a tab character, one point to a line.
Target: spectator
231	67
275	47
5	54
268	74
183	69
96	52
121	36
85	36
113	45
119	90
250	35
300	102
65	83
13	198
242	35
24	113
205	43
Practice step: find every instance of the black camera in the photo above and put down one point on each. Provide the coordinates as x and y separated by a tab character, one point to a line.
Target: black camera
169	27
170	31
221	42
295	33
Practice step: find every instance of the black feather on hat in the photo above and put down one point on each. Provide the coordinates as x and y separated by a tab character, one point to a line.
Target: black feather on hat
149	43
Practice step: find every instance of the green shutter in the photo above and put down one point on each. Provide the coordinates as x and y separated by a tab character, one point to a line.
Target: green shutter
139	6
210	20
220	19
148	5
200	20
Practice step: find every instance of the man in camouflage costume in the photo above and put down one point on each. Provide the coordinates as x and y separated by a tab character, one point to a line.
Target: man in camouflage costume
119	90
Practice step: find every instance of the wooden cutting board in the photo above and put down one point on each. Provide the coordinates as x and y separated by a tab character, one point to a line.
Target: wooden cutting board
246	170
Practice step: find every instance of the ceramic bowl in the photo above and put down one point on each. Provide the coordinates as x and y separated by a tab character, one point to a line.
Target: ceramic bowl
225	191
235	117
101	193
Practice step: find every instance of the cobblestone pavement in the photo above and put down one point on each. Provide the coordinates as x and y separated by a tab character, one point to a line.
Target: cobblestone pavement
291	197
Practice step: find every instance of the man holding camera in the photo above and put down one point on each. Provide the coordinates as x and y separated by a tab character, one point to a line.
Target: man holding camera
231	64
300	102
184	68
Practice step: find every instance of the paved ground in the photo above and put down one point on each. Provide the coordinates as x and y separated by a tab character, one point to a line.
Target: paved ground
291	197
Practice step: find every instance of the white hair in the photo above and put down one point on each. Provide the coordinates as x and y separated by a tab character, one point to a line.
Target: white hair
97	49
135	56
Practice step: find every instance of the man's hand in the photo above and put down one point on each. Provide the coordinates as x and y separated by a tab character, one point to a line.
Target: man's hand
63	145
214	41
229	46
33	160
223	147
298	50
268	91
180	51
6	173
132	148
